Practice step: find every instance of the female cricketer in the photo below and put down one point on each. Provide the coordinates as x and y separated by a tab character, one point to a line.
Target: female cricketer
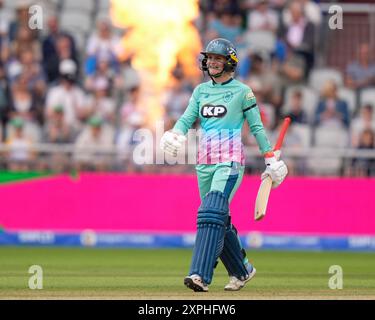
222	105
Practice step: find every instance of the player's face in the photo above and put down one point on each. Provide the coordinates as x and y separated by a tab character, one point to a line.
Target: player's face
215	63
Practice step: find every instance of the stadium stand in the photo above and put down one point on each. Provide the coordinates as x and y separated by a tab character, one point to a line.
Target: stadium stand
287	68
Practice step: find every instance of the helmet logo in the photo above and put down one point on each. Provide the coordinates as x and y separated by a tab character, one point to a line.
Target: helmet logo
210	111
233	57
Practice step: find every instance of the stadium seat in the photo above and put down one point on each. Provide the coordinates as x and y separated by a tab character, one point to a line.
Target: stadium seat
318	77
48	4
304	132
80	40
103	5
82	5
10	4
32	131
260	41
310	100
75	21
102	15
349	96
10	13
367	96
327	138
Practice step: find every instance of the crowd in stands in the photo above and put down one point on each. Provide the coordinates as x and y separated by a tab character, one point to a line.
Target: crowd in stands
54	91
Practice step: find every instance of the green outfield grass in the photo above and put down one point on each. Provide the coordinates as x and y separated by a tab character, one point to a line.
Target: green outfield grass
158	274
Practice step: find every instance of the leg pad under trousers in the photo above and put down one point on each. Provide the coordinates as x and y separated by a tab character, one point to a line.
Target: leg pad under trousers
232	255
211	223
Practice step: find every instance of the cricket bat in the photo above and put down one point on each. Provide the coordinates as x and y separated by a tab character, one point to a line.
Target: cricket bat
266	184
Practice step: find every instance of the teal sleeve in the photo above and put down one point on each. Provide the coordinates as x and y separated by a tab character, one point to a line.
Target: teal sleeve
252	115
190	115
257	129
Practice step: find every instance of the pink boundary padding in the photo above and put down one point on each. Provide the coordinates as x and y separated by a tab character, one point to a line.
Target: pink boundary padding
163	203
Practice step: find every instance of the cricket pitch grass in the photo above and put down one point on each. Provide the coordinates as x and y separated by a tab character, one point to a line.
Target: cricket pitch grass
88	273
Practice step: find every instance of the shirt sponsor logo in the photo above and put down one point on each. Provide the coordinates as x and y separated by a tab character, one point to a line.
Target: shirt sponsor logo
210	111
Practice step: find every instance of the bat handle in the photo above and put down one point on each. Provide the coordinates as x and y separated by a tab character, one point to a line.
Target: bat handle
283	130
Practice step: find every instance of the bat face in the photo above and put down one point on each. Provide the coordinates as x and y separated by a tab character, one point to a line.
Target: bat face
266	185
262	198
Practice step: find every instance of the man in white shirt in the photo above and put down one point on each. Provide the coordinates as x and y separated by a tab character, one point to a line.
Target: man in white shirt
68	95
263	18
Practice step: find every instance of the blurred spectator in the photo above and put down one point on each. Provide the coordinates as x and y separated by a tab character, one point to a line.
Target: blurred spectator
215	7
103	70
19	153
4	30
267	110
56	130
248	5
254	67
57	46
267	115
4	108
300	35
130	77
25	41
310	9
225	25
130	106
262	18
125	142
176	101
331	111
100	103
27	69
295	140
36	83
91	146
296	113
21	20
361	73
22	101
4	21
33	72
289	72
365	167
103	45
69	95
361	123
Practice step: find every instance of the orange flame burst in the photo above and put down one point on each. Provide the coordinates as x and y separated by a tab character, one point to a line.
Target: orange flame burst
159	34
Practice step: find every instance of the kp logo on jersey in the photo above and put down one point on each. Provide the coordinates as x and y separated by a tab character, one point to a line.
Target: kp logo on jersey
211	111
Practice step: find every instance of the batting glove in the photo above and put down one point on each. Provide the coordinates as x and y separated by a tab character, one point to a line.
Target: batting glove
171	142
276	169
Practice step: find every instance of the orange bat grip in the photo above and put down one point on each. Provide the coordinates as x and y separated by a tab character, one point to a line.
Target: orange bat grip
283	130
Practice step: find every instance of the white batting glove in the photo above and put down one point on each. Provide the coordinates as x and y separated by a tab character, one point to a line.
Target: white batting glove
171	142
276	169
